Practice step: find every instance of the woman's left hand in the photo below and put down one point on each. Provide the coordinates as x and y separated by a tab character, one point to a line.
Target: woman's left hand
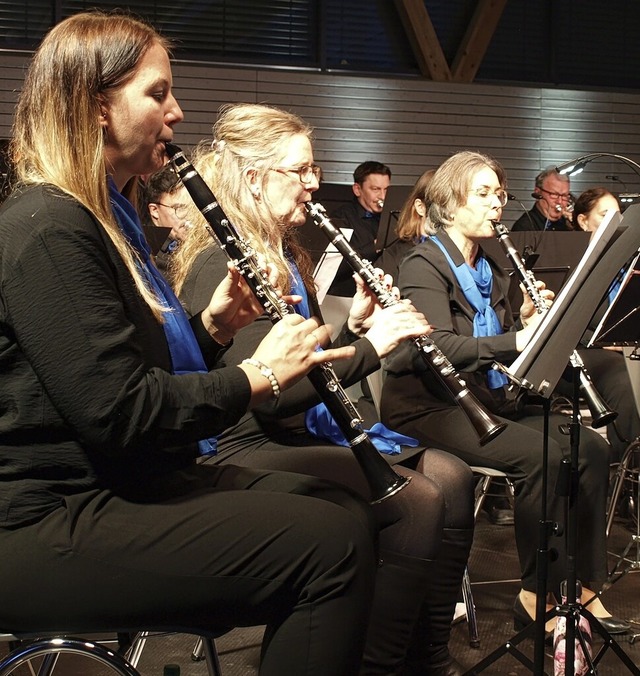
528	310
232	307
365	304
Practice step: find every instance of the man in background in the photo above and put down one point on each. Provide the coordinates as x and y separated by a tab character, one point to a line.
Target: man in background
371	181
164	204
553	206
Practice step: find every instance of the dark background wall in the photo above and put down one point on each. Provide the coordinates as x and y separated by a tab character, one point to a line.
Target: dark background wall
568	43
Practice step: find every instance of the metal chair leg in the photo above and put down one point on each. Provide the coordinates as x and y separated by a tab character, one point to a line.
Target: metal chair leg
205	649
472	620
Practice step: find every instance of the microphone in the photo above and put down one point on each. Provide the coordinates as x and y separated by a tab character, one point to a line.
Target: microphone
511	196
536	195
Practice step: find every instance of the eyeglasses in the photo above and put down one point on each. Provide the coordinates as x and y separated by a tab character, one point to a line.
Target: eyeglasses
306	173
485	194
181	210
558	195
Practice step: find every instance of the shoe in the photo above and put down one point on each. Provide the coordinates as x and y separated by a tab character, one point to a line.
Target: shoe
448	668
500	517
614	625
522	619
611	624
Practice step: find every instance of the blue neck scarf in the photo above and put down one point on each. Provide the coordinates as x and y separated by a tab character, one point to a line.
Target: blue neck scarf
186	356
318	419
476	285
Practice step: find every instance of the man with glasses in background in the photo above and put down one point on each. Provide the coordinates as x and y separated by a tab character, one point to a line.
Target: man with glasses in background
553	206
164	205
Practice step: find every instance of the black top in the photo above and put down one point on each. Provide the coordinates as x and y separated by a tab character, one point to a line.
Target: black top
365	230
88	399
534	219
390	259
426	278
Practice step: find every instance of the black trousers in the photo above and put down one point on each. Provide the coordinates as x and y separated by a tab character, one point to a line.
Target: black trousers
609	373
208	547
440	493
518	451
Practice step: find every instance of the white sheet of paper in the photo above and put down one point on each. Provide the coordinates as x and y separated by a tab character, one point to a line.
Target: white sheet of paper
328	265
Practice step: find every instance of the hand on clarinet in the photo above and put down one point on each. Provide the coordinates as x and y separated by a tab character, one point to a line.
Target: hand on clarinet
385	328
232	306
530	315
290	351
365	304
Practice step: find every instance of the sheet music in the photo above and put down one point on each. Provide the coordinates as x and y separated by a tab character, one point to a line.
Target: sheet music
328	265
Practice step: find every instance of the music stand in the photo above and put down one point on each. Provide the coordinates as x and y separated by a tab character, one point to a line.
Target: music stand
620	324
156	236
539	368
395	198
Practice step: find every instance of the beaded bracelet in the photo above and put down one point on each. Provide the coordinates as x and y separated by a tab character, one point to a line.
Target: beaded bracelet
267	373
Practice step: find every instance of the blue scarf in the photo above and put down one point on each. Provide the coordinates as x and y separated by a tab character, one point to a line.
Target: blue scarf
319	421
186	356
476	285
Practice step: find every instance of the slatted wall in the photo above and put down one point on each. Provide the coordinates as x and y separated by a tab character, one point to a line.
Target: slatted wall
412	124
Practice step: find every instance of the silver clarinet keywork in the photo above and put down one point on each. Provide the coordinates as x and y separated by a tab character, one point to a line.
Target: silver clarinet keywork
382	479
485	424
601	414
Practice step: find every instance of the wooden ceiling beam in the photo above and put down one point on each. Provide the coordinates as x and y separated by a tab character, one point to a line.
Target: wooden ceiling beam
476	40
424	40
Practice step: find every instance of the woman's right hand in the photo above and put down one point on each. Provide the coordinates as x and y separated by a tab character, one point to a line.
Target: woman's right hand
289	350
524	335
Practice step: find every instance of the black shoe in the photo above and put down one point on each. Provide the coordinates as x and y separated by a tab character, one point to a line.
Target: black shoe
499	516
614	625
522	619
448	668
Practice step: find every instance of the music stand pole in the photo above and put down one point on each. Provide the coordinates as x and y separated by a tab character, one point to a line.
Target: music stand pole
546	529
542	560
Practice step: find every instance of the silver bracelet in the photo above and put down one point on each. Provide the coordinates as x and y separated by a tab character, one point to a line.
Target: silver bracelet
267	373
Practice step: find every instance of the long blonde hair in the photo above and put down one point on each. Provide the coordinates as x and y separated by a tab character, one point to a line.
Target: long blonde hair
247	136
57	138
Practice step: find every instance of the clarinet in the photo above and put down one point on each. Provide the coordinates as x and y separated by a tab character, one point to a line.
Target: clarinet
485	424
601	414
382	479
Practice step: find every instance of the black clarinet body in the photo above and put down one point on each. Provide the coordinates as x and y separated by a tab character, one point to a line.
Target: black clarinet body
485	424
601	414
382	479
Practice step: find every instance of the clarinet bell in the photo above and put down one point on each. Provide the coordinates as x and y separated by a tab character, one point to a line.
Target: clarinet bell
601	414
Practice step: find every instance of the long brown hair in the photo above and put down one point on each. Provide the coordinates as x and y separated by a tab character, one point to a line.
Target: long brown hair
586	202
57	138
411	222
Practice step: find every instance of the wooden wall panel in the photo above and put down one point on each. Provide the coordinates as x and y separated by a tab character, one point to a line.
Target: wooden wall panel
411	124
